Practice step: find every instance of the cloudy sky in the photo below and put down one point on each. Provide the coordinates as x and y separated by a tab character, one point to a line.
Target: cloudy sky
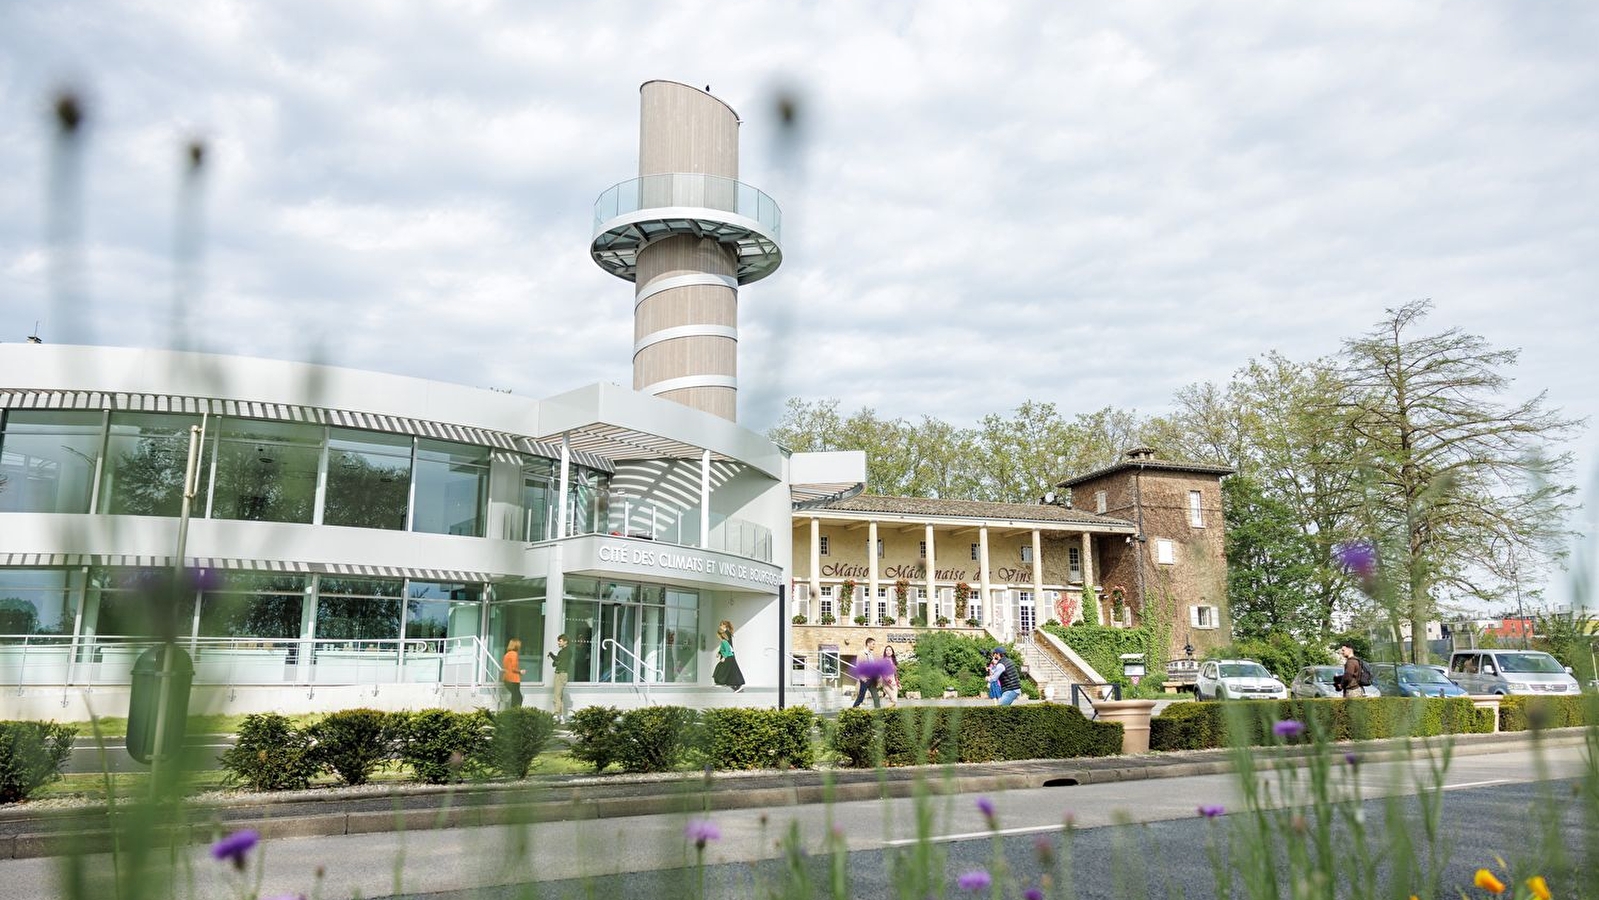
984	203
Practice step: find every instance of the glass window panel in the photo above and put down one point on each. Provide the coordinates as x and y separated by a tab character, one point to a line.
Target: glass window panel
36	601
258	605
267	471
131	603
146	459
452	486
428	606
538	498
369	479
358	609
47	461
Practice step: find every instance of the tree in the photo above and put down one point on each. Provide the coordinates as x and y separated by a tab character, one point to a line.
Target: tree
1448	467
1271	565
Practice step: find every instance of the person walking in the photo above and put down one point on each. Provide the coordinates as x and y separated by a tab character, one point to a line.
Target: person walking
1006	675
727	672
561	663
891	675
1353	684
866	675
511	673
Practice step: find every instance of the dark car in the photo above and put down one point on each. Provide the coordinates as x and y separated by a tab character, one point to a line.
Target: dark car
1413	681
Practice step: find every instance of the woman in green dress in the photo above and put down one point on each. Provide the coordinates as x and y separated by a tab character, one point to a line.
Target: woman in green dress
727	672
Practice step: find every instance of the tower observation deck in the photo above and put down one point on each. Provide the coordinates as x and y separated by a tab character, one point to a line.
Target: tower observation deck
687	233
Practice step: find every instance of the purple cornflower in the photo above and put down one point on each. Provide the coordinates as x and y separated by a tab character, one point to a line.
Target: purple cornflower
1288	728
1352	758
986	807
874	668
975	880
1034	894
701	831
1211	811
234	847
1359	557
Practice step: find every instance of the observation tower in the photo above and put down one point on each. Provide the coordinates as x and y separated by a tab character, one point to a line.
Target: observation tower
687	233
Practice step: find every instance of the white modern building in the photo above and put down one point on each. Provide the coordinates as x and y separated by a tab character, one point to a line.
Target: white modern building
365	539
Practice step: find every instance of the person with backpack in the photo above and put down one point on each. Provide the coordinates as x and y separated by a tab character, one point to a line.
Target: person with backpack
1357	675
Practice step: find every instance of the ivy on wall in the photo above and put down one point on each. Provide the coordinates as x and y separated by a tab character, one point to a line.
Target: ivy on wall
1102	647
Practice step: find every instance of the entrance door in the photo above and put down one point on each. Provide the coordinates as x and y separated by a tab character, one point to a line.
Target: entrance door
617	659
1026	614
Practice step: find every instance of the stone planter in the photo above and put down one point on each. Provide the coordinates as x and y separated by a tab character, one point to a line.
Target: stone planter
1134	717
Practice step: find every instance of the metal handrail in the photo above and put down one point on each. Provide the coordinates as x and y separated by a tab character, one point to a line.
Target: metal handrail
640	665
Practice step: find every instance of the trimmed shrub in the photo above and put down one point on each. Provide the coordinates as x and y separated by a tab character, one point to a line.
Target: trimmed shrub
652	739
271	754
441	746
593	731
354	742
1200	726
1524	713
928	734
520	735
758	738
31	755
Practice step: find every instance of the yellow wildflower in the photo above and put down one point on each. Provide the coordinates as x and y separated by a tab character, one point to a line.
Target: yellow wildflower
1539	887
1486	880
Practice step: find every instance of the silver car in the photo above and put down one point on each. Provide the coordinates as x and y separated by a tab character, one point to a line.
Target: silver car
1316	681
1510	672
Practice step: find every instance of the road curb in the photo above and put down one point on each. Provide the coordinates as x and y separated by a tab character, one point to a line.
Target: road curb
723	791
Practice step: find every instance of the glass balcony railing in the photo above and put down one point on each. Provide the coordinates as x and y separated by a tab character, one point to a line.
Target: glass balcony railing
630	517
689	190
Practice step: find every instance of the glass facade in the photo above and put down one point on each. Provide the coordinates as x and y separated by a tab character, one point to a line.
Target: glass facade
358	609
36	602
624	632
253	605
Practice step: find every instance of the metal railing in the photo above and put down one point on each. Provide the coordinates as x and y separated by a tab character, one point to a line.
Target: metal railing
640	673
689	189
108	660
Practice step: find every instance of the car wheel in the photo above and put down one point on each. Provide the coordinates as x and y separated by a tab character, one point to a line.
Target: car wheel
1221	692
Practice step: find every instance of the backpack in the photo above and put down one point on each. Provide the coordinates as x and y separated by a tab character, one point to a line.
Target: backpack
1365	673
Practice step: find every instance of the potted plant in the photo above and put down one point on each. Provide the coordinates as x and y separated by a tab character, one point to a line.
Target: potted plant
799	619
863	619
827	619
972	623
942	621
918	621
886	620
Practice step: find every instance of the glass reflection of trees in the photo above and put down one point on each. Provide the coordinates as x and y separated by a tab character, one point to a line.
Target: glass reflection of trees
267	471
146	459
369	480
256	605
358	609
36	602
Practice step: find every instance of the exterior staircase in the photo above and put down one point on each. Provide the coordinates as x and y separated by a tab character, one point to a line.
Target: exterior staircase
1054	673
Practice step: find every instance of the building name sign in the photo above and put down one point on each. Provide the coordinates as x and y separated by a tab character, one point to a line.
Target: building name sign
1008	574
680	561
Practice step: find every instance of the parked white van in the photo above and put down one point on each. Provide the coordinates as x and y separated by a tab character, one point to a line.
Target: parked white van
1510	672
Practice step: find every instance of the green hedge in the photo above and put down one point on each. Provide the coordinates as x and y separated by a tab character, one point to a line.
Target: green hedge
440	745
758	738
31	754
1522	713
1199	726
354	742
934	734
271	754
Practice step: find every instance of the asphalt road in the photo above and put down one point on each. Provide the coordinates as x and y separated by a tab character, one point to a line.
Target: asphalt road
1131	838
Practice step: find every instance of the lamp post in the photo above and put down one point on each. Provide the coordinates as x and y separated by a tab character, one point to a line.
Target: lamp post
1522	625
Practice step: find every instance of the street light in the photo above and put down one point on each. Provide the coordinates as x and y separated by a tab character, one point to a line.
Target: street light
1515	580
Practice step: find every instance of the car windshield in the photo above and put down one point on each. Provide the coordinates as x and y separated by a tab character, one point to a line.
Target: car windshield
1244	670
1324	674
1421	675
1539	663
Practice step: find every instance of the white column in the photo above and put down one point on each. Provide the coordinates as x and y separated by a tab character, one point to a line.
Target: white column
1088	571
871	571
982	573
562	517
931	613
816	569
1040	605
705	499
